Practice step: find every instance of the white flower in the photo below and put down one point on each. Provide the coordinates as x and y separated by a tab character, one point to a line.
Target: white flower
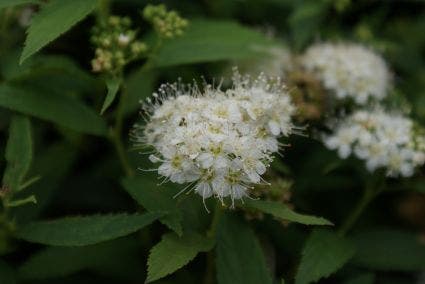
383	140
123	39
221	141
349	70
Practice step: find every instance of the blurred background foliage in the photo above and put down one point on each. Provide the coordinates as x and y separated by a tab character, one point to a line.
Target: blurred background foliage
80	173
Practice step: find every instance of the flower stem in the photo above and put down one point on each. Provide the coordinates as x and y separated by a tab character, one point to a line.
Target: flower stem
372	189
117	132
210	266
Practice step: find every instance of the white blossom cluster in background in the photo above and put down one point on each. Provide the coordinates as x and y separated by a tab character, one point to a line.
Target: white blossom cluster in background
383	140
220	142
348	70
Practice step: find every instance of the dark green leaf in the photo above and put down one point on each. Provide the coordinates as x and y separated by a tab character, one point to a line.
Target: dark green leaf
7	3
239	255
323	254
81	231
389	250
139	85
364	278
61	109
7	275
60	261
282	211
54	19
18	153
183	249
155	198
113	85
208	40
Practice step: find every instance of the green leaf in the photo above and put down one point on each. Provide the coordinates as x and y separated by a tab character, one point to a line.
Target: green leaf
7	275
139	85
364	278
61	109
113	85
239	255
7	3
323	254
282	211
155	198
183	249
212	40
388	249
23	201
18	153
53	262
81	231
54	19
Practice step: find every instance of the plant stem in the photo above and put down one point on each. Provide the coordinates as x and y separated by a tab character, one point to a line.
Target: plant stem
210	266
372	189
117	132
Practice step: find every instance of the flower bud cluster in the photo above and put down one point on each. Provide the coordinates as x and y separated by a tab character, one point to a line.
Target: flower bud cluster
348	70
221	142
168	24
383	140
116	45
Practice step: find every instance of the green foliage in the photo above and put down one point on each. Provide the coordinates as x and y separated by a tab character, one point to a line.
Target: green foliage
19	153
7	275
239	255
61	109
323	254
53	262
213	41
113	85
388	249
55	18
183	248
155	198
82	231
280	210
8	3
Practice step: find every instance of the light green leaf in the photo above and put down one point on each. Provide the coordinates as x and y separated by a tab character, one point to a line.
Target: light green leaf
155	198
81	231
18	153
388	249
7	3
61	109
54	262
239	255
323	254
212	40
282	211
113	85
183	249
54	19
7	275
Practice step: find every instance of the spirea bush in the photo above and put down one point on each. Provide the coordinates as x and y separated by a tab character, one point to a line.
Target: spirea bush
212	142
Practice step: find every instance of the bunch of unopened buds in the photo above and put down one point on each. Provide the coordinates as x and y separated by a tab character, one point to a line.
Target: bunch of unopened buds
168	24
383	140
116	45
219	142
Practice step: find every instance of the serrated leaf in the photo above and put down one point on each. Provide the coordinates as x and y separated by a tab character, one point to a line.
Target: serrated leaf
82	231
324	253
212	40
53	262
388	249
61	109
54	19
18	152
113	85
8	3
7	275
239	255
155	198
282	211
184	249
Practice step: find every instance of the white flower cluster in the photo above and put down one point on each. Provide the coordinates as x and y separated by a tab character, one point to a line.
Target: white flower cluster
383	140
349	70
220	142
